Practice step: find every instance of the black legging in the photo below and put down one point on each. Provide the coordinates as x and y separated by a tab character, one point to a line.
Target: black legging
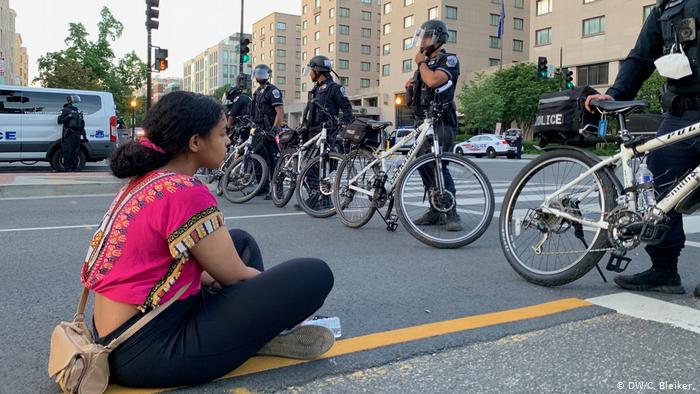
209	334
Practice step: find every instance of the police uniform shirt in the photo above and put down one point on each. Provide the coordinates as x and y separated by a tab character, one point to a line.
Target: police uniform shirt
334	98
239	107
265	99
655	40
449	64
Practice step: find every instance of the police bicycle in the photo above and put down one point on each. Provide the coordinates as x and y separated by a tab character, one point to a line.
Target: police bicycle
316	179
567	209
366	182
217	175
246	175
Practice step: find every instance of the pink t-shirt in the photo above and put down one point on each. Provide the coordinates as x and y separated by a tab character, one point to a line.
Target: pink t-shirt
140	254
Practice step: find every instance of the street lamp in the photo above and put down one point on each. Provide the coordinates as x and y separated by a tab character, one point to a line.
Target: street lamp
133	104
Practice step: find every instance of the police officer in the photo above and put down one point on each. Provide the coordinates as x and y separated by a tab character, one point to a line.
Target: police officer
237	104
435	67
329	94
73	123
669	28
268	114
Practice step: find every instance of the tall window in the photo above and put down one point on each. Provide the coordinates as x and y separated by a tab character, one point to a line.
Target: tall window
386	70
519	4
343	47
365	66
407	43
517	45
408	21
317	19
387	8
281	53
281	39
366	16
305	25
343	64
494	42
407	2
518	24
303	40
317	36
281	67
386	49
452	36
317	51
344	30
364	83
433	13
544	7
331	47
281	80
451	12
345	81
594	74
366	33
594	26
366	50
317	3
493	18
543	36
331	30
331	13
304	9
407	65
344	12
387	28
647	11
281	26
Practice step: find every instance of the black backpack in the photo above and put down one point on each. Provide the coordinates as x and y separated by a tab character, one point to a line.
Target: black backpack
76	120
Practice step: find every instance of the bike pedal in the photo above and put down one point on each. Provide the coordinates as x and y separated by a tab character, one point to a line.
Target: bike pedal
393	223
617	263
654	234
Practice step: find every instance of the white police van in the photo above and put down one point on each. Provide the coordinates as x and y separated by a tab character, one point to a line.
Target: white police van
29	131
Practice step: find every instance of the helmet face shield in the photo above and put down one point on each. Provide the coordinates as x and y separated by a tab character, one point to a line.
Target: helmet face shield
261	74
306	71
422	35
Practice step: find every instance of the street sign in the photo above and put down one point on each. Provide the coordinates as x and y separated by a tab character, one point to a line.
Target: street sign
551	71
498	128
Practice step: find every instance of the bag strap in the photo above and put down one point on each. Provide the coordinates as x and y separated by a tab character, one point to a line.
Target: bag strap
145	319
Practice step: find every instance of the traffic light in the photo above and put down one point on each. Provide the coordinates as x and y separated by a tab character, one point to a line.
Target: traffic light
152	13
244	50
569	75
542	66
161	63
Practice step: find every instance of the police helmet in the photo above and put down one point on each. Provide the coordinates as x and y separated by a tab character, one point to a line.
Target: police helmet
435	30
262	72
320	64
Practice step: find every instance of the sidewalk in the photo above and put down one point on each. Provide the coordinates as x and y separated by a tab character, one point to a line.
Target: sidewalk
52	184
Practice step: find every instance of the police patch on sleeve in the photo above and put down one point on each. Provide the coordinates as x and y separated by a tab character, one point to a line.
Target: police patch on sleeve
236	99
276	94
451	61
343	91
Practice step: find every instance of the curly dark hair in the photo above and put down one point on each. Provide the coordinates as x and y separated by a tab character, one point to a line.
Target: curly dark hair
169	124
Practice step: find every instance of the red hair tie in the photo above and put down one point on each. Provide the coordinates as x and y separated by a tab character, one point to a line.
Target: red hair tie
150	145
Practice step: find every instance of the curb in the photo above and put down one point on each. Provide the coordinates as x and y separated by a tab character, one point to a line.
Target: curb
57	190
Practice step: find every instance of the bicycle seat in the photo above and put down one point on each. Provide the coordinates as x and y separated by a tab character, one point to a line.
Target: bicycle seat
619	107
375	124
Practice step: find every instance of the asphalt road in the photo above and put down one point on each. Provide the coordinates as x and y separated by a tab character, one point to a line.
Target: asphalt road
384	281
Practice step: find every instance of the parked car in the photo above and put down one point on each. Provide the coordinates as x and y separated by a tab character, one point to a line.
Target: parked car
402	132
489	145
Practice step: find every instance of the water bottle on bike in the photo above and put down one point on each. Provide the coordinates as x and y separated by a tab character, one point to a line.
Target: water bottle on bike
645	182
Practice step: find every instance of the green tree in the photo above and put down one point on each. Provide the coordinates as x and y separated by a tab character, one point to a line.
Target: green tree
219	92
480	104
651	92
92	65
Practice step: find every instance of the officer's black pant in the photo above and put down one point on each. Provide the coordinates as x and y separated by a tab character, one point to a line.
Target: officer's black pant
71	150
209	334
269	151
446	137
669	165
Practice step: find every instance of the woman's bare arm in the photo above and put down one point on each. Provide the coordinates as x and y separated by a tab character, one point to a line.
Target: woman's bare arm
217	255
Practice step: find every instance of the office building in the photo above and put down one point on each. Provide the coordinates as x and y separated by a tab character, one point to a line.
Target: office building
215	67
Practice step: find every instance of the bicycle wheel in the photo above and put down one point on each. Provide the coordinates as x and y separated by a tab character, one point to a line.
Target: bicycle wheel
473	201
220	187
315	186
284	178
354	209
244	178
546	249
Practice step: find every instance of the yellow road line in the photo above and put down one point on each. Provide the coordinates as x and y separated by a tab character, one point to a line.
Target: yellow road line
401	335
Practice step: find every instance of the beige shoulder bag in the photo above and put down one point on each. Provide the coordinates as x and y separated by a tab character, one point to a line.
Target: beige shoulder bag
76	362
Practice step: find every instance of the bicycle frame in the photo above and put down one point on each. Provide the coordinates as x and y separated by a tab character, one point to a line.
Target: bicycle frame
303	148
670	201
421	133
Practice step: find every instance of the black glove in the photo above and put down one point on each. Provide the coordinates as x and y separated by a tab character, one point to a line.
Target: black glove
85	140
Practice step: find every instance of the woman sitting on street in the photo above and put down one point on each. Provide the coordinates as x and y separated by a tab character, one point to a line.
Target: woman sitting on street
163	232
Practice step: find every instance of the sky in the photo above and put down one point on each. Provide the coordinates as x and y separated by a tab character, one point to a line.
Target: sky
187	27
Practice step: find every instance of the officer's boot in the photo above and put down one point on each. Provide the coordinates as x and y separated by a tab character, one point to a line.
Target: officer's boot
652	280
697	291
431	218
454	223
